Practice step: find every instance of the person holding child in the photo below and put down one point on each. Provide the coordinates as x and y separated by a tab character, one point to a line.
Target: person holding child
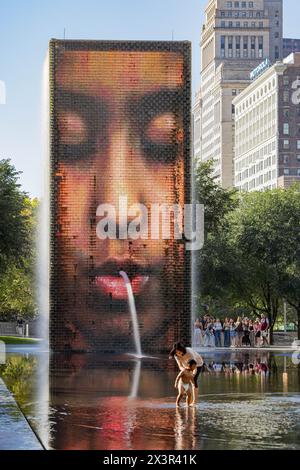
183	356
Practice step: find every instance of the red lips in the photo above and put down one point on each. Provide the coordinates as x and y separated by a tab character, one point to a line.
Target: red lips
115	286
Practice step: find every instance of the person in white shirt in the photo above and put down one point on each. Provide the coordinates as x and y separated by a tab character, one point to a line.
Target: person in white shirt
218	331
183	355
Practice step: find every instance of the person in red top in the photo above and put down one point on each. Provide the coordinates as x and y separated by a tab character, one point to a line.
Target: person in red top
264	328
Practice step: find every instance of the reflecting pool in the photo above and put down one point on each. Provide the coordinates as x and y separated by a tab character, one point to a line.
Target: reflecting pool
247	400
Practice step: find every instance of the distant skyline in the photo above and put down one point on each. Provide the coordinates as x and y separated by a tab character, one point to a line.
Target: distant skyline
26	28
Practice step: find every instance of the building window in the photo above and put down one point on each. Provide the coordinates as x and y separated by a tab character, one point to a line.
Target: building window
298	171
298	144
276	35
260	46
286	113
286	159
244	4
246	24
245	46
276	52
286	128
236	4
229	4
250	4
223	24
222	46
286	96
238	24
230	24
298	158
286	171
286	144
238	46
230	46
261	24
252	47
222	14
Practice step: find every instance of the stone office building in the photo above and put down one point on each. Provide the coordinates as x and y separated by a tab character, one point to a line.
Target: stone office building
267	128
235	38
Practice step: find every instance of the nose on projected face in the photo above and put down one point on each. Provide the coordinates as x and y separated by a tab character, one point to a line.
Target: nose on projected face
2	92
2	353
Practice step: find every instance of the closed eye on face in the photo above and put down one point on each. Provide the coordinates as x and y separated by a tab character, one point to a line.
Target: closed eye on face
160	124
155	120
81	121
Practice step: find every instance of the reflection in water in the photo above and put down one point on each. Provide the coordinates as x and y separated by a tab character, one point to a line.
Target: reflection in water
96	402
136	379
185	429
17	373
285	376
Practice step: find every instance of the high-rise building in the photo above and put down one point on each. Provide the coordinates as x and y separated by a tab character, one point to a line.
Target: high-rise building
267	128
197	127
236	37
290	46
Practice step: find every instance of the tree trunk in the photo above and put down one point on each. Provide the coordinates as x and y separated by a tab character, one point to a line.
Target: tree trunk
271	336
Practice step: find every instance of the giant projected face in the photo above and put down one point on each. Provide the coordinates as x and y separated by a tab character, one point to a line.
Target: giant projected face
118	131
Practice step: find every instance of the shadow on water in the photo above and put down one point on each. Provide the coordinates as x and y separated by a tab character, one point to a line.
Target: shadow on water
246	400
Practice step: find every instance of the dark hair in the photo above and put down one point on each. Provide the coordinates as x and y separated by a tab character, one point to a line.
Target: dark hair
178	347
192	362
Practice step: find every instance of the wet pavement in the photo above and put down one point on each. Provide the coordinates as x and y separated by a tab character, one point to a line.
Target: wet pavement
247	400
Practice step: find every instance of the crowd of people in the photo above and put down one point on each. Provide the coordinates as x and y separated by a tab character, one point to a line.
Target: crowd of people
210	332
256	367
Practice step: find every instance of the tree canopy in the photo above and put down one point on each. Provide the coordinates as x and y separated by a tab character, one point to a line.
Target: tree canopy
18	223
251	258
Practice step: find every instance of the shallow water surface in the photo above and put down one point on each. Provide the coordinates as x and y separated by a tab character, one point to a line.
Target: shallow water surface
246	401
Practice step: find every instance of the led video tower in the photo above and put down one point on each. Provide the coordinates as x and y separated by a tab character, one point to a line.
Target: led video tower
120	131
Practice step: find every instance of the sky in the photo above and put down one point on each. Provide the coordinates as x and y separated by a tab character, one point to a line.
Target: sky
25	29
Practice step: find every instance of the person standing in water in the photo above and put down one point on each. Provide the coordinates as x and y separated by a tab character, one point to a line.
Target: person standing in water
183	356
184	383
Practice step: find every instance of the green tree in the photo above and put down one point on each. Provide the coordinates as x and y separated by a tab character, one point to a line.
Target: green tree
218	203
18	225
291	291
251	258
267	235
14	240
249	261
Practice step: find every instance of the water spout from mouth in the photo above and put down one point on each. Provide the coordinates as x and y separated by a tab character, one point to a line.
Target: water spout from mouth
131	302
